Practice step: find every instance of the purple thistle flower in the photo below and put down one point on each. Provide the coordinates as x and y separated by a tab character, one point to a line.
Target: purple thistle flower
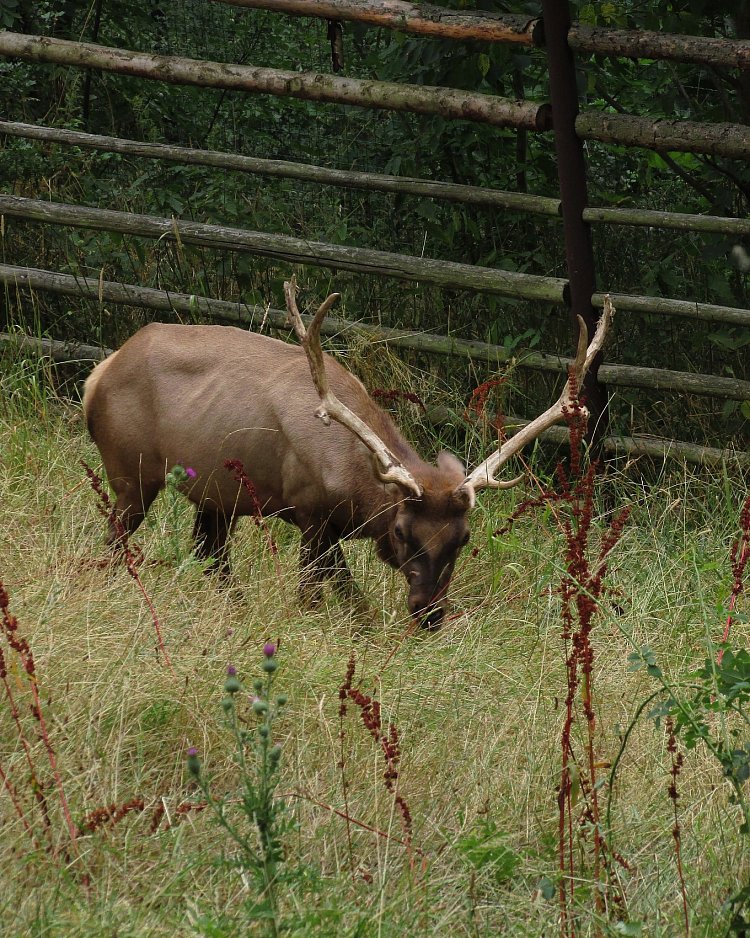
269	649
193	762
231	671
190	473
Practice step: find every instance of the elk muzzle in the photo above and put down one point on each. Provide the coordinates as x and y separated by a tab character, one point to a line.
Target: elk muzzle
428	606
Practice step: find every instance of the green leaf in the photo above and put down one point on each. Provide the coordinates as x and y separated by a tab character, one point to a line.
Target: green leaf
546	888
628	928
486	849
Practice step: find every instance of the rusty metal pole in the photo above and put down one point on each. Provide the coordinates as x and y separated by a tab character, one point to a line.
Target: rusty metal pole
571	171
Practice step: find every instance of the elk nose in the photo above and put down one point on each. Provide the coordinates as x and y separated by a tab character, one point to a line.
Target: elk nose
433	620
428	616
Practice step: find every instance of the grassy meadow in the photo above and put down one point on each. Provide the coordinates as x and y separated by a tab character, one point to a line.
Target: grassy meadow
479	709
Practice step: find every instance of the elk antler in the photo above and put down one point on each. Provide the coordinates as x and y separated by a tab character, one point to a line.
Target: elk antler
390	469
484	476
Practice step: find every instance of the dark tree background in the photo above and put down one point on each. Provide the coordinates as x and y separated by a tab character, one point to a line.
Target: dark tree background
637	261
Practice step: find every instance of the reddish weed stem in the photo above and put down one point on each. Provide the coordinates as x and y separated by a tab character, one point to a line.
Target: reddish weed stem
22	648
739	555
386	737
131	558
235	466
677	760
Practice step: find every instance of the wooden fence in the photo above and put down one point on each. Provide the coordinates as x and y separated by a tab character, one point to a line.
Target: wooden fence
571	127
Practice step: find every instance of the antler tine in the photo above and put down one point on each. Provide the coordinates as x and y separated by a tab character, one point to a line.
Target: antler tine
484	475
390	469
310	340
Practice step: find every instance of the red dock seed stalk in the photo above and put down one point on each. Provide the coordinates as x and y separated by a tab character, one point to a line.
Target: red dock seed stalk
387	738
235	466
132	557
21	647
739	554
394	394
478	403
343	693
677	759
111	815
347	685
132	553
581	590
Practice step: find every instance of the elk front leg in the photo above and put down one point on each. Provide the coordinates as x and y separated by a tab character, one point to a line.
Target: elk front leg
210	532
131	504
321	558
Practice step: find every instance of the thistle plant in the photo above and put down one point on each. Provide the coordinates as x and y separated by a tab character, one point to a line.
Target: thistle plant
177	477
710	709
254	820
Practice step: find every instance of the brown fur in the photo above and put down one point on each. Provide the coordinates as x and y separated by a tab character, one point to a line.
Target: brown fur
199	395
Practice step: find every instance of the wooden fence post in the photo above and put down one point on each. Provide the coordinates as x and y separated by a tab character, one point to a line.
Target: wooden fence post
571	170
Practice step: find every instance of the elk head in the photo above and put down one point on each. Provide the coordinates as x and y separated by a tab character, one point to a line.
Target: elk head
428	523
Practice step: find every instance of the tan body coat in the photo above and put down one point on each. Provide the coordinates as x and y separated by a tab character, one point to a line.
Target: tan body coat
199	395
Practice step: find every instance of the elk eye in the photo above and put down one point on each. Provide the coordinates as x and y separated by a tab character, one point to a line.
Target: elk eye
398	532
465	539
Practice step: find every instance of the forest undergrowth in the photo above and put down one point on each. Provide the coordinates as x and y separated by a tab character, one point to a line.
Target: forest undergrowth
567	756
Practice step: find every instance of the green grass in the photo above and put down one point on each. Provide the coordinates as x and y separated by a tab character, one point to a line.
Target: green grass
479	709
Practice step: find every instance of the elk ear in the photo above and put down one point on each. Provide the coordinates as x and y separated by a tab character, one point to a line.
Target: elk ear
399	490
451	465
464	497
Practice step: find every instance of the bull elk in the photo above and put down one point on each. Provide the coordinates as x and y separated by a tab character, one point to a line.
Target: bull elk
201	395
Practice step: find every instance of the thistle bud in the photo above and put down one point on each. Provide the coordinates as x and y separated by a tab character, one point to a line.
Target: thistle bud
193	762
232	685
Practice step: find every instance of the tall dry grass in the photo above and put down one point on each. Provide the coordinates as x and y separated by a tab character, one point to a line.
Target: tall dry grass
479	708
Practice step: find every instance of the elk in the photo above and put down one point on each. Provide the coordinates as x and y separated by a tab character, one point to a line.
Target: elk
201	395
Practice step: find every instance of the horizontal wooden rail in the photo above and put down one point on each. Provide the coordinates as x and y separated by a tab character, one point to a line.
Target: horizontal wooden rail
631	446
646	44
305	172
65	353
376	182
705	312
719	139
684	382
650	447
420	99
293	250
680	221
380	263
421	19
479	25
241	314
